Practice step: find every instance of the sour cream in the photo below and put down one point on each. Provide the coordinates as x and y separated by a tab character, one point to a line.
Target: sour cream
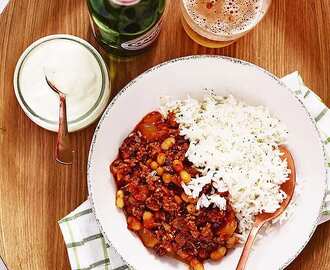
76	70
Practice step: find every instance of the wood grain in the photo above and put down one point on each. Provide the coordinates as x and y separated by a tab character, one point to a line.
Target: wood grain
35	192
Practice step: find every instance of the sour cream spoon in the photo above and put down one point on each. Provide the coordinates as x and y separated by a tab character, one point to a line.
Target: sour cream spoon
63	145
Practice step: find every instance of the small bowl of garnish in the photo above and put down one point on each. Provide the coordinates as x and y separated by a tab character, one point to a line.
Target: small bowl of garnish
74	66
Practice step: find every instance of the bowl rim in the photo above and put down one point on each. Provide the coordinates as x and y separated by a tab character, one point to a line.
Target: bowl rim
87	118
188	58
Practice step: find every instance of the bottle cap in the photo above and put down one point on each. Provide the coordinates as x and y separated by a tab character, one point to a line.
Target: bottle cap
125	2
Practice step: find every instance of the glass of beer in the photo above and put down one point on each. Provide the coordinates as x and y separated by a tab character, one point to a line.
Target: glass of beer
218	23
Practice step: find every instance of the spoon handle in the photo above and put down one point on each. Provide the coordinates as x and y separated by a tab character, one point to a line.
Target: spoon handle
63	144
248	245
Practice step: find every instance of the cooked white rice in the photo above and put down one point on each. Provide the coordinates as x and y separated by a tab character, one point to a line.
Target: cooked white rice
235	148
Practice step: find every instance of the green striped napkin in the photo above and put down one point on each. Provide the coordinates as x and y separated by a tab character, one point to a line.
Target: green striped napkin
321	113
86	246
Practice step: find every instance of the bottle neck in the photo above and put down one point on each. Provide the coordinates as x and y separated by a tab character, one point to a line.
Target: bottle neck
125	2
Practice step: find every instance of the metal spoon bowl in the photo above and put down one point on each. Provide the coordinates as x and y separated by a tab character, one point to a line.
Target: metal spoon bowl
288	187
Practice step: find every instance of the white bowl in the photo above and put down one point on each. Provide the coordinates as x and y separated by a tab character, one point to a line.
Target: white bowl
87	117
189	75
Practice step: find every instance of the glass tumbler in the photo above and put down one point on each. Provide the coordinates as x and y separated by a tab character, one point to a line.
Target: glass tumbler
219	23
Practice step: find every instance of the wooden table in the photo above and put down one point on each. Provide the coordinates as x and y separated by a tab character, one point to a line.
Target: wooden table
35	192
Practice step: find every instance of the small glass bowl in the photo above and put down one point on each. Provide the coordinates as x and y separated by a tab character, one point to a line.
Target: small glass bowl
73	124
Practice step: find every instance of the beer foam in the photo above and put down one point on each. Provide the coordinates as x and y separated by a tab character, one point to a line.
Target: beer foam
224	17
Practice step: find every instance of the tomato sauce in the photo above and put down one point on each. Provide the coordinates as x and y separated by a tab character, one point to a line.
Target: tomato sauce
149	171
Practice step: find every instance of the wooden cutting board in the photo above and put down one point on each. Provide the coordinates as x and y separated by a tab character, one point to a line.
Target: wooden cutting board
35	192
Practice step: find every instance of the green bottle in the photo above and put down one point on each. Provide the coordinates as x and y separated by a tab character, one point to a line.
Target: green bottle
126	27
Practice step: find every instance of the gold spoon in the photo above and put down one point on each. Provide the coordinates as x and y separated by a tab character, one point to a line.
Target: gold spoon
63	144
288	187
